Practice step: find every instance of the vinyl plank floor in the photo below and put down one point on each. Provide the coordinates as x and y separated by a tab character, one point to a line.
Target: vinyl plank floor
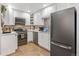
30	49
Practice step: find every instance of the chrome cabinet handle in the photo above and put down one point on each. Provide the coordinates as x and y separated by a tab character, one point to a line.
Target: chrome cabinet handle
62	46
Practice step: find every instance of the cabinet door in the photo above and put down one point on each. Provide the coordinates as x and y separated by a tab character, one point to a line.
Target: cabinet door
6	18
35	37
44	40
47	11
38	19
29	36
8	44
11	17
27	19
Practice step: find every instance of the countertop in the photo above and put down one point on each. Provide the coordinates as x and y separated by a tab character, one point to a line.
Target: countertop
33	30
37	31
12	33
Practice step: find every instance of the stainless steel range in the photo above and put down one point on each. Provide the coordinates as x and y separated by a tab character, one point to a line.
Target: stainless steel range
22	36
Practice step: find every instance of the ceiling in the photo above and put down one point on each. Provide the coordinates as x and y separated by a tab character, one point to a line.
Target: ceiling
28	7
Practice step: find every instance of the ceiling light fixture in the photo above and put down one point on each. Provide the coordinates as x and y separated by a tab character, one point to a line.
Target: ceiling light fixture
10	8
28	11
38	13
44	5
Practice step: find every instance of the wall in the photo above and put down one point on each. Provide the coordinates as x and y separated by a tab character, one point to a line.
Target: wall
77	7
0	20
65	6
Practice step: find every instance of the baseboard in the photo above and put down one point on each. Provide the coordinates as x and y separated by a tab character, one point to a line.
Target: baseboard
9	53
30	42
43	48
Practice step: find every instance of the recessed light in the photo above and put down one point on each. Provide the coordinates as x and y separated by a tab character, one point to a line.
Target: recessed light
44	5
38	13
10	8
28	11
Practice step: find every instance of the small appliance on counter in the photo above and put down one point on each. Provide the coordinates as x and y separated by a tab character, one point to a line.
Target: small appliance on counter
43	29
6	29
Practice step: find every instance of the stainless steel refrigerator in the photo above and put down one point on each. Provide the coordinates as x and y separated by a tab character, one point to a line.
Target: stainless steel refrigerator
63	32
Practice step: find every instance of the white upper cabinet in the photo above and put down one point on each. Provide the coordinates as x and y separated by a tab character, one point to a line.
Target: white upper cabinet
27	19
9	17
11	13
38	19
44	13
6	18
47	11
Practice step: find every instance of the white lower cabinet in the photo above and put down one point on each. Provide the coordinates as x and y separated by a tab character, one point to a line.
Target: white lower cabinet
29	36
44	40
8	44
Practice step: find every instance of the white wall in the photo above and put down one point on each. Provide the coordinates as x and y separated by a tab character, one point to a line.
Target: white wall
77	7
0	20
65	6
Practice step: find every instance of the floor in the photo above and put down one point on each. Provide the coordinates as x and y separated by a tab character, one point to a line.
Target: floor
30	49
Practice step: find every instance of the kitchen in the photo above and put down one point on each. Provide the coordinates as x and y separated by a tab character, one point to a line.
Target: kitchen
25	28
28	30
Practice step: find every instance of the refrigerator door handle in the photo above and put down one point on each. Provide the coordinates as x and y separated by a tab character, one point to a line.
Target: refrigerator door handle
62	46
